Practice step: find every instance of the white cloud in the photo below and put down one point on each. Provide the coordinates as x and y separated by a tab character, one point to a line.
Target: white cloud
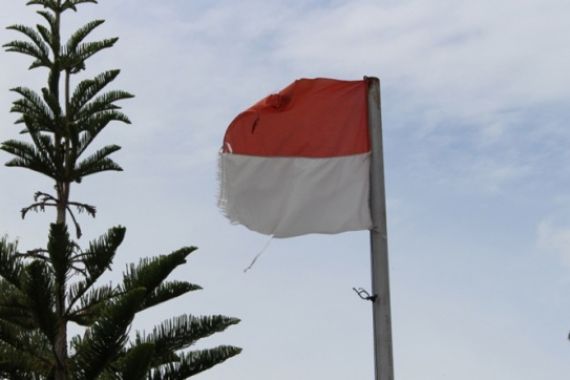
554	238
462	56
489	176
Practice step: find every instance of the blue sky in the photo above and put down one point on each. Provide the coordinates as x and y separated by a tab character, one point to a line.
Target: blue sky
475	133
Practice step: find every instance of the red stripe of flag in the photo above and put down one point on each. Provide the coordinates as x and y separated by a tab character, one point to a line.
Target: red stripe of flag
313	118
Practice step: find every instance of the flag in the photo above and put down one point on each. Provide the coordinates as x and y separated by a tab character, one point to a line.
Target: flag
298	162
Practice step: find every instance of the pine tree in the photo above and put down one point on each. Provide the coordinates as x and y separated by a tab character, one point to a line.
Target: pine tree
42	291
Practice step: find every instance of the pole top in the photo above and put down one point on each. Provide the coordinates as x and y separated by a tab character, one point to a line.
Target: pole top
371	79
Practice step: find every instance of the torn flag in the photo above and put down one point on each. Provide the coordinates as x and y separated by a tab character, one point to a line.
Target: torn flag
298	162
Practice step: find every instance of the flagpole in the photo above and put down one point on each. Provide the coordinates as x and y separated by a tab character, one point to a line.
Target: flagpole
383	357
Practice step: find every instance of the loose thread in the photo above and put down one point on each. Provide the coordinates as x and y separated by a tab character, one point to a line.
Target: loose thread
259	254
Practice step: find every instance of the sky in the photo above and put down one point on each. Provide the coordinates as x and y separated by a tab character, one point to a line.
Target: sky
475	110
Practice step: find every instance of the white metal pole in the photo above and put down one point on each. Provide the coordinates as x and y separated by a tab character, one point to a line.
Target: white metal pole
383	356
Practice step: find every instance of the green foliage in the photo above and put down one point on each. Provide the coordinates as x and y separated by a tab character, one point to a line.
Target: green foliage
43	290
64	130
29	316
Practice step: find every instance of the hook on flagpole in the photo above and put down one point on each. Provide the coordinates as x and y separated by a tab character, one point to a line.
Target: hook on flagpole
363	294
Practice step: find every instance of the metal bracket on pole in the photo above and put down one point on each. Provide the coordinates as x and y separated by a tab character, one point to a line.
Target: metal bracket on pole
365	295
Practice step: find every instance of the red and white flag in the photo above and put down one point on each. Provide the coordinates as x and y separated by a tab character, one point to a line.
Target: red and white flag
298	162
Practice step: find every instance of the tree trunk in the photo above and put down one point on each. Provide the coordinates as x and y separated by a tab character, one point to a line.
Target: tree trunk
60	344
